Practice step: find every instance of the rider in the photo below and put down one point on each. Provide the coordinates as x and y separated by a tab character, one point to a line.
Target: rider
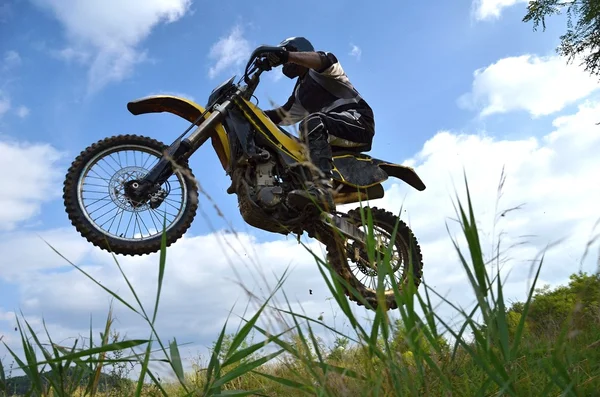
329	108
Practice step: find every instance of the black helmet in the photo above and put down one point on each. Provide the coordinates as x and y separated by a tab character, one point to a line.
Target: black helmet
297	44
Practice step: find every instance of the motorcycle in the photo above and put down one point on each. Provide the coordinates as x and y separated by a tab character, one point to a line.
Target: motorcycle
264	163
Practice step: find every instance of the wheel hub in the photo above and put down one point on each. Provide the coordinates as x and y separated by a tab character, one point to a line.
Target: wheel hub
357	252
133	194
127	193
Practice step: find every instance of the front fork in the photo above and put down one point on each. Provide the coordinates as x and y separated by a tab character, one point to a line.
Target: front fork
180	149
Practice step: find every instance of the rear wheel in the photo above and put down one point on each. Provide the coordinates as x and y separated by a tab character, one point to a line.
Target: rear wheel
350	260
96	202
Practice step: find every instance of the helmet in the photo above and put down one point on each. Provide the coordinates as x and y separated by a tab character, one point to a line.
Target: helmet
297	44
293	44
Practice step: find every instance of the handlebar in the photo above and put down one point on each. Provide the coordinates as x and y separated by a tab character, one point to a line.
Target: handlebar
262	65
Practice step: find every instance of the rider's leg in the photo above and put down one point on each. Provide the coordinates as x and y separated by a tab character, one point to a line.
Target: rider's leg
319	189
314	133
319	130
341	129
345	129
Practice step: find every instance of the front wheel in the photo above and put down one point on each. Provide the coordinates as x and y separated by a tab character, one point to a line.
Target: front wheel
96	203
350	260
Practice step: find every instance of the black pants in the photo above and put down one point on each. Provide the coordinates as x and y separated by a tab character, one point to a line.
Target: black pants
343	129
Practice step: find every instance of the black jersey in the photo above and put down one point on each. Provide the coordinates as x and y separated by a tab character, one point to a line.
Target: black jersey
323	91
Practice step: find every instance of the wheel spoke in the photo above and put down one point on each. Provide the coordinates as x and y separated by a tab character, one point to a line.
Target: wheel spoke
119	224
115	217
167	213
137	222
99	208
107	163
114	168
99	176
144	165
364	271
105	213
91	184
152	217
129	223
143	223
91	191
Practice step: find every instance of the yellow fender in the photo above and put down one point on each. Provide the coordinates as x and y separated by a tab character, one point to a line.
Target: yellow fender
187	110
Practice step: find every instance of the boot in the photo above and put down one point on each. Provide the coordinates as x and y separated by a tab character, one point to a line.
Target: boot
318	194
319	191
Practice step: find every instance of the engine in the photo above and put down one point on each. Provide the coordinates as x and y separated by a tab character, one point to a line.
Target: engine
268	193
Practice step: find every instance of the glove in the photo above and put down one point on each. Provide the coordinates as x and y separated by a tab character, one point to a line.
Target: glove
278	58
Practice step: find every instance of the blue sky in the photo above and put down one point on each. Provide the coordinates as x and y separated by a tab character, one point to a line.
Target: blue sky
69	68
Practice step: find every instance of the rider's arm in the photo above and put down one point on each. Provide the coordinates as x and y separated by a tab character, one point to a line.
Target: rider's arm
275	115
318	61
278	115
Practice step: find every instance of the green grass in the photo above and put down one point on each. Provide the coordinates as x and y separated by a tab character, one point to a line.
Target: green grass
517	349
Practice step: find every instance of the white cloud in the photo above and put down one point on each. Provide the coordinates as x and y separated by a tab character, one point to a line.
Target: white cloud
538	85
198	292
230	51
491	9
551	177
15	250
275	74
70	54
32	178
11	59
4	103
5	12
107	33
23	111
356	51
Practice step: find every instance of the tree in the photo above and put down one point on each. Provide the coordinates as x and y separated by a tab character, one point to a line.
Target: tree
549	309
582	40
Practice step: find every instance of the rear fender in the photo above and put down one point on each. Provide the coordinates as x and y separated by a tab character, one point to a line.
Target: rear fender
403	172
187	110
362	170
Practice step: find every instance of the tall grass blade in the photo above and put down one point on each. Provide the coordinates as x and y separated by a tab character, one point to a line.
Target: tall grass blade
3	384
244	368
144	369
161	267
239	393
175	360
213	365
115	295
308	389
247	352
95	350
522	321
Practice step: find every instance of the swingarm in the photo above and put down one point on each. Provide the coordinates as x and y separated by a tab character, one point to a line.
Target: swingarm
338	223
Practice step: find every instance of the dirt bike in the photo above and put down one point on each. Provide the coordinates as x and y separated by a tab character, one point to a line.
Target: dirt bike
264	162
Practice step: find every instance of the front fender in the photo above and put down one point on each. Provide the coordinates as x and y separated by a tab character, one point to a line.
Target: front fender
182	107
187	110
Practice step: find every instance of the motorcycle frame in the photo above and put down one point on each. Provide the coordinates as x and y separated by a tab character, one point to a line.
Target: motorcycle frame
209	125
